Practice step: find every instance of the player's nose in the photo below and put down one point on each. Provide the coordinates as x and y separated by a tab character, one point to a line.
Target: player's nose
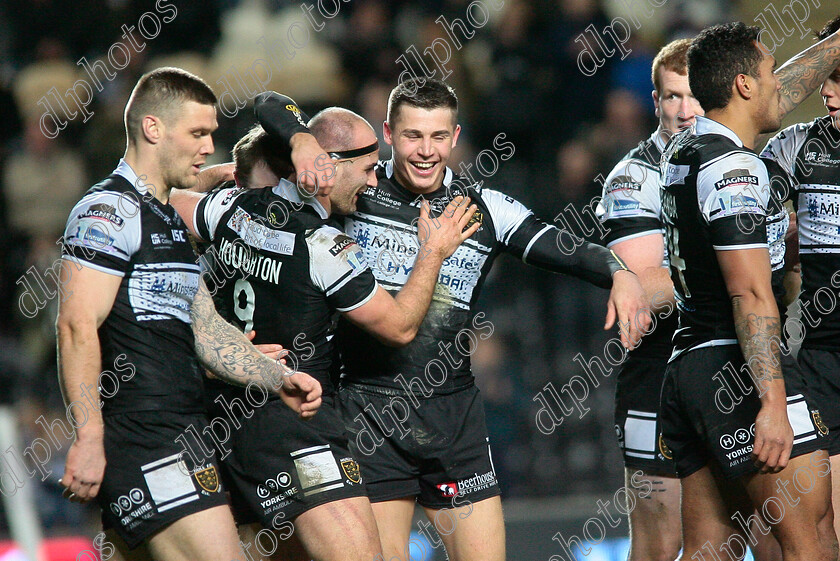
426	147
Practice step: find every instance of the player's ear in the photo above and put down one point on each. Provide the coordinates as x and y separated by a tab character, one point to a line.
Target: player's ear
655	102
455	135
152	128
744	86
386	133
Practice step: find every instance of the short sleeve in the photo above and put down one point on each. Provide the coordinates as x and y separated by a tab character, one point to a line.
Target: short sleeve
630	205
210	210
784	147
507	213
338	268
733	194
103	232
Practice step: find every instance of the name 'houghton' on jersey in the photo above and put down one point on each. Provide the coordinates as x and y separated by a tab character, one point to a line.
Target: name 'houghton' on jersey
287	271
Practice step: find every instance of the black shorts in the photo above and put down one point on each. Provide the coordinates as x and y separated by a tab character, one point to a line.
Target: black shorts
637	423
709	407
821	375
151	479
439	454
279	466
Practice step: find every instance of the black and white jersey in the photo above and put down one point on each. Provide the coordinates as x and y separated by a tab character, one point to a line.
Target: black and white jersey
120	229
630	208
384	228
810	153
282	271
715	196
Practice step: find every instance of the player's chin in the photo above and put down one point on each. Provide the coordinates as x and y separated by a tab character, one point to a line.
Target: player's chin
187	182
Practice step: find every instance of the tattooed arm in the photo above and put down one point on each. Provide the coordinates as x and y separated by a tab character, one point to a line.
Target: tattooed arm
804	72
747	276
228	354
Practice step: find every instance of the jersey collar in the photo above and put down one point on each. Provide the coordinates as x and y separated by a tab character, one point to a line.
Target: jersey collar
708	126
289	191
660	138
124	170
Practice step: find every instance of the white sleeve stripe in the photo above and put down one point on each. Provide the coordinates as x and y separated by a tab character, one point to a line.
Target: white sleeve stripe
93	266
634	236
533	240
336	286
745	246
366	299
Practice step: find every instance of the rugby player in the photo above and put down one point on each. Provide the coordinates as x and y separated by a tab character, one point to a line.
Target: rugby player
442	458
733	457
306	472
630	211
134	296
810	152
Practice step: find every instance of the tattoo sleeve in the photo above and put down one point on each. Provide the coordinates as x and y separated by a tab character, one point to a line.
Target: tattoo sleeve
225	352
804	73
759	337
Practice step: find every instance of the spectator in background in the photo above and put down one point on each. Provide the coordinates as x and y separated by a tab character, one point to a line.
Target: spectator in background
574	96
625	121
42	181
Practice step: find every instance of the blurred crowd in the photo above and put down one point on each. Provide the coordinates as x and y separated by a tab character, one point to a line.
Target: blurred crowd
518	75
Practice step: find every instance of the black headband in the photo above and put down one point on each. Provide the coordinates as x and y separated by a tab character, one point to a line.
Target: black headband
347	154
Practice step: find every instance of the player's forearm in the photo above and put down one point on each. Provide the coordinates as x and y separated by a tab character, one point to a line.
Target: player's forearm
280	116
590	262
79	366
804	73
414	298
658	287
227	353
758	330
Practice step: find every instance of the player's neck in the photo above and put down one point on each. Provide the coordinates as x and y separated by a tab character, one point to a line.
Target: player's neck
739	120
325	202
146	167
408	185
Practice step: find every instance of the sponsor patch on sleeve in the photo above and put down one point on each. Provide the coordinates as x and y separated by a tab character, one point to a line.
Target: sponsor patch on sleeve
735	178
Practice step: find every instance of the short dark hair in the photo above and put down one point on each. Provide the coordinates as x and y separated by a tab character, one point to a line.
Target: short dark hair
716	56
670	57
425	94
257	145
830	27
159	91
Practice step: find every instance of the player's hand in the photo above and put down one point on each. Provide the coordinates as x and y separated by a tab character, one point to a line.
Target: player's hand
302	393
84	469
773	437
213	176
447	231
274	351
628	304
314	169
